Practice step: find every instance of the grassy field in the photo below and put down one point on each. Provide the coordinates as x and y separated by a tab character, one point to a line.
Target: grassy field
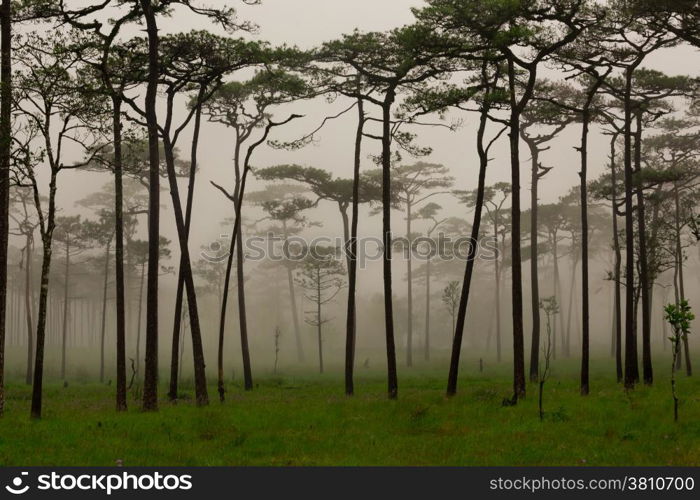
305	420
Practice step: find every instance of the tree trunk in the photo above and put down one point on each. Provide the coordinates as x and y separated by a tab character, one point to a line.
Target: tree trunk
648	370
46	239
409	284
240	278
200	380
392	377
427	309
681	277
458	331
516	257
617	275
174	358
138	327
631	366
350	326
150	383
64	333
319	321
175	346
497	266
5	154
556	287
103	328
585	318
534	263
28	310
119	255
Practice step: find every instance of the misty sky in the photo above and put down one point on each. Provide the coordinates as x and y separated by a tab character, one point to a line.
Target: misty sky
307	23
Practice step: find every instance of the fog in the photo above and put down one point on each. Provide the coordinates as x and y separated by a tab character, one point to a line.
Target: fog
307	23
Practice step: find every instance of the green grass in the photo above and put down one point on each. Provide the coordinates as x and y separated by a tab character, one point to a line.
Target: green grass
306	420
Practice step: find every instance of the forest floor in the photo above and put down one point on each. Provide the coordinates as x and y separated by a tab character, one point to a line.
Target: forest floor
297	420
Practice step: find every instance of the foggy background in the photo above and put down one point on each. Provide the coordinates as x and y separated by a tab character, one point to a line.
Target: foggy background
307	23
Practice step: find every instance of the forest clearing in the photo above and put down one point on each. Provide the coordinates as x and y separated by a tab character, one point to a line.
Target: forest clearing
302	420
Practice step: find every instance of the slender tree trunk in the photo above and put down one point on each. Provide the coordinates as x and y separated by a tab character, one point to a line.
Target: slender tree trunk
5	154
28	310
236	231
119	255
200	380
497	267
631	366
138	327
516	257
458	332
240	278
534	263
392	377
409	284
350	325
570	309
585	314
103	328
427	309
617	275
174	357
150	384
556	287
681	277
66	284
648	369
319	321
46	239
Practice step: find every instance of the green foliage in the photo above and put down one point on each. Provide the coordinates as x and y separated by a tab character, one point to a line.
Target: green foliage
679	316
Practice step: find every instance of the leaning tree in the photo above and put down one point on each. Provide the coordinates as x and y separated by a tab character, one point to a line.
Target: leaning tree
245	108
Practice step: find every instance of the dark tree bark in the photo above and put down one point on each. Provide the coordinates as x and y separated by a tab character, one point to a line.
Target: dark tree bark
534	263
350	326
409	286
617	273
631	363
138	326
28	309
119	254
64	328
242	314
200	381
174	355
5	153
516	253
238	202
585	301
426	354
103	327
644	282
392	377
46	236
319	321
471	259
150	384
497	272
